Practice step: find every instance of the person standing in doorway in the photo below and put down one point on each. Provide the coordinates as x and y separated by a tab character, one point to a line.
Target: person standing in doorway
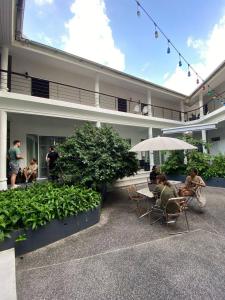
52	158
14	158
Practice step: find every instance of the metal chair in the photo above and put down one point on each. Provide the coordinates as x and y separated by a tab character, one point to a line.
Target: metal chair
197	196
171	212
135	197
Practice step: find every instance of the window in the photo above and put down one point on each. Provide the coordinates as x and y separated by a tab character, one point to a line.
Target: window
40	88
122	104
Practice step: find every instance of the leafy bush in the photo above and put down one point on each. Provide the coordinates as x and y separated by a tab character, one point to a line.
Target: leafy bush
95	156
200	161
41	203
217	168
207	165
174	163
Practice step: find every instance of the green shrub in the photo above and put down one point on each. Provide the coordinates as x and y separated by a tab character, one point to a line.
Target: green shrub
94	156
35	206
217	168
200	161
174	163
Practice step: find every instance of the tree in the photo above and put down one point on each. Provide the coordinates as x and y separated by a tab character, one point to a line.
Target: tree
95	156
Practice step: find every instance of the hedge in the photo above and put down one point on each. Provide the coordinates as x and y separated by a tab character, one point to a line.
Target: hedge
39	204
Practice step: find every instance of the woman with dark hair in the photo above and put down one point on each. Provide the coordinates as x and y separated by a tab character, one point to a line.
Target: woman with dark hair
192	182
163	191
153	174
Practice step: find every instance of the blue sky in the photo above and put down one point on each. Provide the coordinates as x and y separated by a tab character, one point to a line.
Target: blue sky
109	32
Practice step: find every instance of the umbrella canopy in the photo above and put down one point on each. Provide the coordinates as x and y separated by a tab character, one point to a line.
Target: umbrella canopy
162	143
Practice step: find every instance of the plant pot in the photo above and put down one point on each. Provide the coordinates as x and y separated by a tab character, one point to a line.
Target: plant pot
51	232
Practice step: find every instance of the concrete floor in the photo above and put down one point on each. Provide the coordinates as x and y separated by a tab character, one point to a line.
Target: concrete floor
123	257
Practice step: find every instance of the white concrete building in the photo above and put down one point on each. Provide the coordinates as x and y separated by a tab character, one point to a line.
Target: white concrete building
45	93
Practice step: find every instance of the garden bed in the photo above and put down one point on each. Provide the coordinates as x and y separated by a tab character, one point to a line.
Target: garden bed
214	182
34	217
51	232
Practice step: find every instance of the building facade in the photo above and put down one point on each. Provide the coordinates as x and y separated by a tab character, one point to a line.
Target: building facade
45	93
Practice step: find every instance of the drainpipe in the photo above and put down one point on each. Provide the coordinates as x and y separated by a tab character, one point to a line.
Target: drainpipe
19	20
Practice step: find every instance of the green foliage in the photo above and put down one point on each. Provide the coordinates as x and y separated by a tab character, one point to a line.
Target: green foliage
200	161
35	206
207	165
174	163
94	156
217	168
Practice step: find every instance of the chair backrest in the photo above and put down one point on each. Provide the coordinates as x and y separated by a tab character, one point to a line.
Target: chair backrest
173	206
132	191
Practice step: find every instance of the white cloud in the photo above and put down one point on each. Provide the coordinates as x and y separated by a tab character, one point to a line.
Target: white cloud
211	53
43	2
89	34
166	75
43	38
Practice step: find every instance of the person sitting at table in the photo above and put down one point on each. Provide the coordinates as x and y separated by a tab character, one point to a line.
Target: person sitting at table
163	191
30	172
153	174
192	182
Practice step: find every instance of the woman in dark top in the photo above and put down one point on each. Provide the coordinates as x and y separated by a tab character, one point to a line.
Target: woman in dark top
153	175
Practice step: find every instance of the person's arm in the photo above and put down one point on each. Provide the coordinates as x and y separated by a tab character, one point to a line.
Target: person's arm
200	183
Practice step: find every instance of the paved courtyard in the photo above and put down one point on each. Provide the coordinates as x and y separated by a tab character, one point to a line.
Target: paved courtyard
123	257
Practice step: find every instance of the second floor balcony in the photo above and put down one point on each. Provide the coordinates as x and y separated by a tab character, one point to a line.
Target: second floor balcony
40	87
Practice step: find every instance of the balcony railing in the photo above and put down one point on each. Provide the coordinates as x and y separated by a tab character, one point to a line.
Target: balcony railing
45	88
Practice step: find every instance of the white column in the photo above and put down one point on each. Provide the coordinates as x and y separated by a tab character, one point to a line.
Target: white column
4	66
182	110
149	101
98	124
201	104
204	139
97	98
151	155
3	149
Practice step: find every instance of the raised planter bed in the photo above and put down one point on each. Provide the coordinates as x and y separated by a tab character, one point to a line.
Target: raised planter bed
215	181
51	232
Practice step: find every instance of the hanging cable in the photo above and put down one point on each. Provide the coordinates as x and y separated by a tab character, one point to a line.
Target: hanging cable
171	44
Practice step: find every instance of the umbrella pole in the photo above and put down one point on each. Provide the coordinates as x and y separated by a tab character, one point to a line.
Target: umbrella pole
160	160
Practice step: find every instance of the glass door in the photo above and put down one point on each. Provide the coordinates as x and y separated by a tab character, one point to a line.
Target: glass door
32	147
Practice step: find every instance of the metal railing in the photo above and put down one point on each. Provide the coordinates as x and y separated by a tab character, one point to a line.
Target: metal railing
45	88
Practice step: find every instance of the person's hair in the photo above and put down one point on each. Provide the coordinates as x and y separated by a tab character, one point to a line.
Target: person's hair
194	170
34	159
52	148
154	167
161	178
15	142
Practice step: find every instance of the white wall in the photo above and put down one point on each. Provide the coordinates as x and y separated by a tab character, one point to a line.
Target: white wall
218	146
38	69
21	125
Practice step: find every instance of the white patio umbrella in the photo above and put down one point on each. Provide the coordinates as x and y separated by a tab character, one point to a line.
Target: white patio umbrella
162	143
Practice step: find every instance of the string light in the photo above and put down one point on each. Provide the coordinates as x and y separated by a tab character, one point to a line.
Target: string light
170	44
156	32
168	49
138	9
180	62
189	72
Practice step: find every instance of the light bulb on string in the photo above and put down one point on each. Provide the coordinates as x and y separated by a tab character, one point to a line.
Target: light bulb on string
189	72
180	62
138	10
156	31
197	80
203	87
168	49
